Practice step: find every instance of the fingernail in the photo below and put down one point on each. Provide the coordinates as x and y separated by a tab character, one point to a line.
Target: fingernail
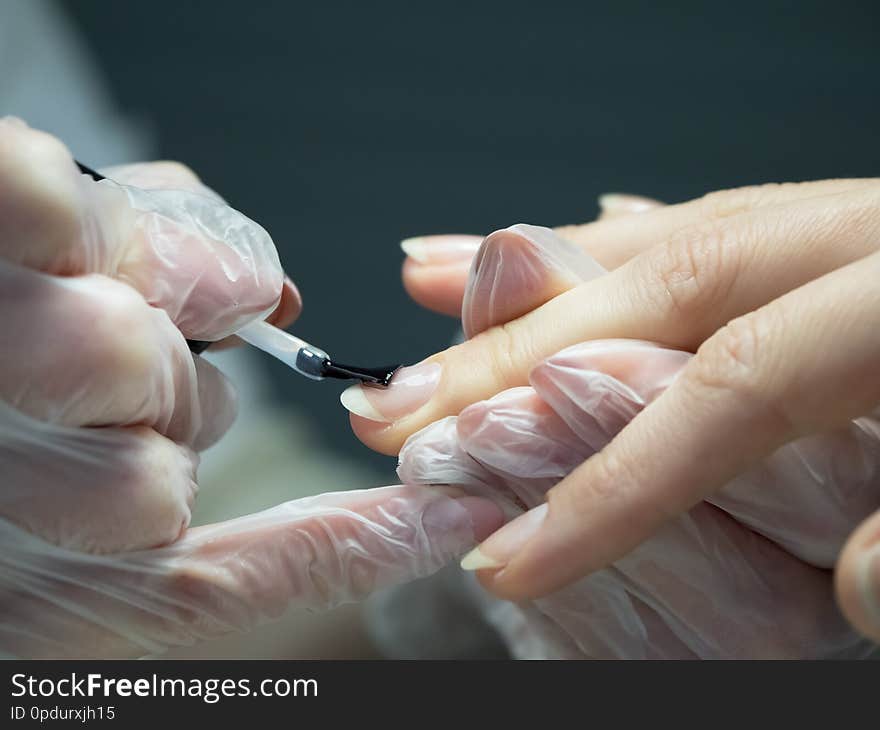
410	389
441	249
613	204
477	560
499	549
869	583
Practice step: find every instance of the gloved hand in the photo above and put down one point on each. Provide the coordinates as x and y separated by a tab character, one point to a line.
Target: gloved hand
743	574
103	410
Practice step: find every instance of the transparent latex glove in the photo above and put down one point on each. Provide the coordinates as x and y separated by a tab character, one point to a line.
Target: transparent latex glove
311	553
103	410
711	584
746	574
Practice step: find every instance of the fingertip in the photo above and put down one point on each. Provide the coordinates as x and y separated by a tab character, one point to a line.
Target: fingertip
476	561
210	267
438	287
495	559
286	313
218	402
486	572
857	579
495	580
470	419
289	306
517	270
374	435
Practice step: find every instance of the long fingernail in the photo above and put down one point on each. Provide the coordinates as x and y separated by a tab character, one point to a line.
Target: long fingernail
410	389
869	583
499	549
614	204
441	249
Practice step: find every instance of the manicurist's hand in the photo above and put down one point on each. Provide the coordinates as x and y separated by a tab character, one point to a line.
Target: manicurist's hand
103	410
774	289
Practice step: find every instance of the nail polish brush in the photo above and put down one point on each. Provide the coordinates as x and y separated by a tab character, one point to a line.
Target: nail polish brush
308	360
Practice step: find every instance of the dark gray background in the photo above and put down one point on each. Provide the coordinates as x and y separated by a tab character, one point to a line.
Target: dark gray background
345	126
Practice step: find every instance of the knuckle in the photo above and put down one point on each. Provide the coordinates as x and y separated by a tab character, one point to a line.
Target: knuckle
510	353
694	271
736	364
159	481
729	359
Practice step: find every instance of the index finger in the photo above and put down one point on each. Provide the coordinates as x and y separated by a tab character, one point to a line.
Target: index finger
677	293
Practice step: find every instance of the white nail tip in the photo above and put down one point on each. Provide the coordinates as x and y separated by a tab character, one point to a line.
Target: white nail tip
354	400
611	201
415	249
475	560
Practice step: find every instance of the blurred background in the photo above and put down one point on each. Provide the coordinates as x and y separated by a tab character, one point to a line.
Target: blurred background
344	127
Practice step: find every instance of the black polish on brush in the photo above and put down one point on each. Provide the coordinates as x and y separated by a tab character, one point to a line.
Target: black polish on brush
368	376
318	366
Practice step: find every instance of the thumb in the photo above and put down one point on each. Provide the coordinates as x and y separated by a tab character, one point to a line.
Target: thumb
518	269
